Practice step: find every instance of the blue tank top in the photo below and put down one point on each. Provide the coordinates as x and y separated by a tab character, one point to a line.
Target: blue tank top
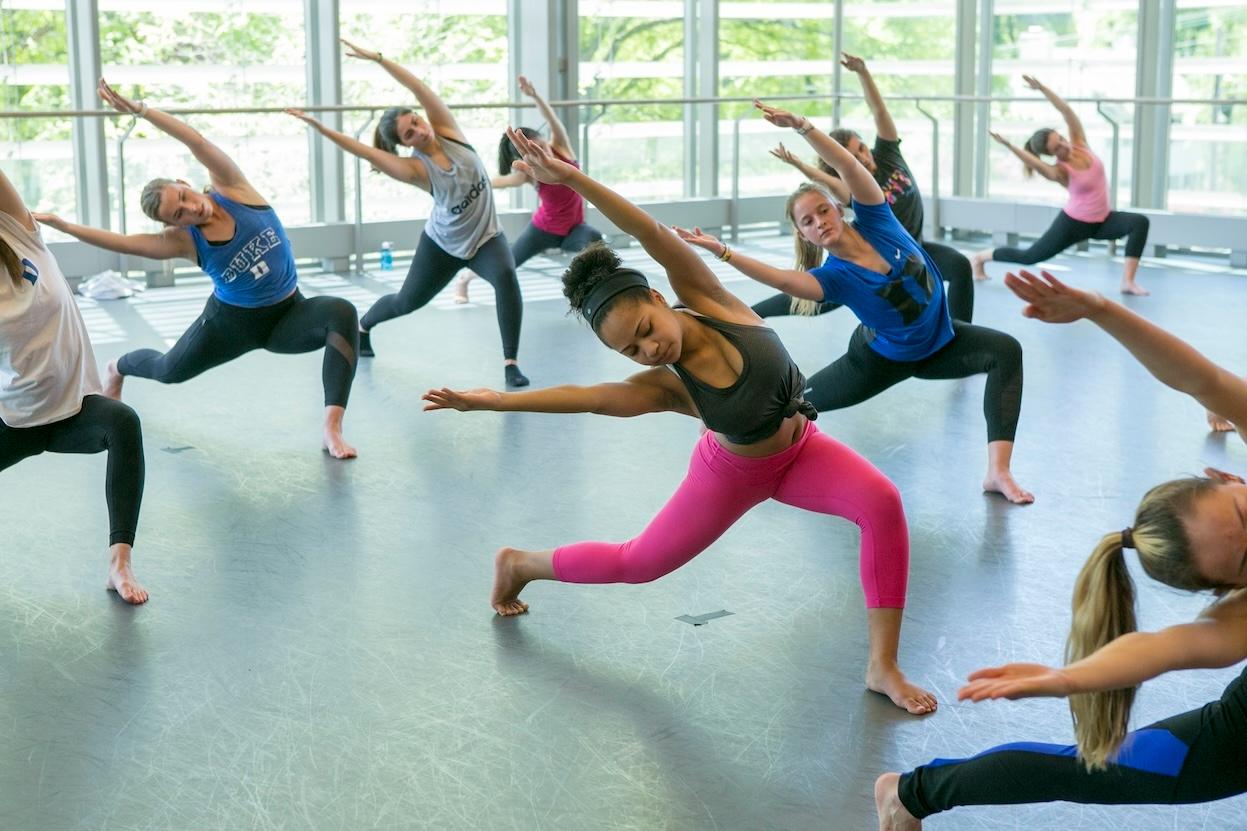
256	267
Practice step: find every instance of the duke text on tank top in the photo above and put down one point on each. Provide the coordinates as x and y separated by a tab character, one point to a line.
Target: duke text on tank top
254	268
463	217
1088	189
769	390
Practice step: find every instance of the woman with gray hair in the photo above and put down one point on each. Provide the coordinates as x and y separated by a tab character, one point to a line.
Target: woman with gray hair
461	232
235	236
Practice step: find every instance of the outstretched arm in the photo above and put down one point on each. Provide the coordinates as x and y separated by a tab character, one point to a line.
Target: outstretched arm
403	169
693	281
1076	133
1216	640
833	183
435	108
1051	172
1173	361
800	284
11	203
653	391
860	183
885	127
165	245
222	170
558	133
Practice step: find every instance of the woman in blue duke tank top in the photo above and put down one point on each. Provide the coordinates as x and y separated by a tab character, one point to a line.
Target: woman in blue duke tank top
461	232
237	239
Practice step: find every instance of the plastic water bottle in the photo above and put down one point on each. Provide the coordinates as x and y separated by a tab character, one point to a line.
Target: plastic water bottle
387	256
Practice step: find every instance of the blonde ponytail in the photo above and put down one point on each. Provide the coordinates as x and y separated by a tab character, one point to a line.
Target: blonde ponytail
1103	611
1103	605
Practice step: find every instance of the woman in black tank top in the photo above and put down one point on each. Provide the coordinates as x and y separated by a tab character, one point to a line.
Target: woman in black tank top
734	374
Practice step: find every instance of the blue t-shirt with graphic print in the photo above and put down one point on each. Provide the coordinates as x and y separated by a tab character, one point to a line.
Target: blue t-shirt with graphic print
904	312
255	267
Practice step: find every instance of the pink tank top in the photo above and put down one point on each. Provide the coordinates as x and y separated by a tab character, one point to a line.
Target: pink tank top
1088	190
559	208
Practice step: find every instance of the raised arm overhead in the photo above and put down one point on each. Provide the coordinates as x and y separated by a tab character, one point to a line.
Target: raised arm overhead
862	186
435	108
694	283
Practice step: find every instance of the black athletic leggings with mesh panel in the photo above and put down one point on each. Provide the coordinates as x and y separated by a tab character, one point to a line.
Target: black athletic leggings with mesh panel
951	263
432	269
1198	756
1066	231
292	326
101	425
863	373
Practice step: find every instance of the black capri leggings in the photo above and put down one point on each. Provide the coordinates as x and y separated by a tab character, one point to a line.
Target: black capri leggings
432	269
863	373
1066	231
952	265
101	424
292	326
1198	756
532	241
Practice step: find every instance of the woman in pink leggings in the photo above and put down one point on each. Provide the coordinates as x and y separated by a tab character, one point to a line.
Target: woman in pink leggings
713	360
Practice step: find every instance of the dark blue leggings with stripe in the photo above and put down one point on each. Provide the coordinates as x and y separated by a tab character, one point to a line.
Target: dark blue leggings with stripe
1198	756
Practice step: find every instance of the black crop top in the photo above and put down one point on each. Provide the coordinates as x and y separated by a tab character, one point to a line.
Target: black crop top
770	387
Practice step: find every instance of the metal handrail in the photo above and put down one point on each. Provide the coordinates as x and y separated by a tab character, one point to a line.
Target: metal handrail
606	102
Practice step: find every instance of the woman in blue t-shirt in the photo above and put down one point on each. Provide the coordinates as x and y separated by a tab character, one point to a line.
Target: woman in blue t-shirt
875	267
237	239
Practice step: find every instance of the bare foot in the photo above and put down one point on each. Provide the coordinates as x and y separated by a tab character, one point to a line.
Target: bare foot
1135	289
461	288
890	681
893	815
508	583
1216	422
121	580
1001	482
977	265
336	445
113	381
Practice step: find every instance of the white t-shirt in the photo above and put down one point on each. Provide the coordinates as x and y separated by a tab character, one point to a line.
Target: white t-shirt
46	363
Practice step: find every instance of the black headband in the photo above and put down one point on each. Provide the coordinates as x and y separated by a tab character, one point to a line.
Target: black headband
619	281
1127	538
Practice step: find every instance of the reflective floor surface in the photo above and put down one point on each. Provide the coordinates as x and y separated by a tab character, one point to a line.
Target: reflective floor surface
319	651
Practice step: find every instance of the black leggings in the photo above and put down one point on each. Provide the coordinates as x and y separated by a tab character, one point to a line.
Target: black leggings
1198	756
532	241
952	265
101	424
223	332
863	373
432	269
1066	231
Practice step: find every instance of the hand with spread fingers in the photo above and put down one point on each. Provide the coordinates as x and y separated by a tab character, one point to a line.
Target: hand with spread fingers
701	239
1050	300
1015	681
463	401
538	161
778	117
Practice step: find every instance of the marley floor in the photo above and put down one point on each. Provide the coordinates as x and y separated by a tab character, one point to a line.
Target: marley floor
319	651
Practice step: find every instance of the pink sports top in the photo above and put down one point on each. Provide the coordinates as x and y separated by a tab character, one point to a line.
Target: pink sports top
559	209
1088	189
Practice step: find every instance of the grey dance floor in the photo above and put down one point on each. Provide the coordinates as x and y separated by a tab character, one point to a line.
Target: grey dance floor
319	652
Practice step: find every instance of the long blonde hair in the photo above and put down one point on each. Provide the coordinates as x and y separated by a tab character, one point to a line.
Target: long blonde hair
808	255
1103	604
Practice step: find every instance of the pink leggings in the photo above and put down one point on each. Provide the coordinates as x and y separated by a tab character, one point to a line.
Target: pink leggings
817	473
